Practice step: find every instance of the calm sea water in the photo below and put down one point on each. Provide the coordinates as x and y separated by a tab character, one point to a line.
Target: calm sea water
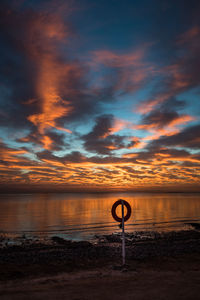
81	216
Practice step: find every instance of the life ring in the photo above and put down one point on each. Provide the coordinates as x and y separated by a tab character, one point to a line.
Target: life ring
113	211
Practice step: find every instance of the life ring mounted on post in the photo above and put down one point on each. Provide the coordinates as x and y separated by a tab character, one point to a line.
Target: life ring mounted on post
114	207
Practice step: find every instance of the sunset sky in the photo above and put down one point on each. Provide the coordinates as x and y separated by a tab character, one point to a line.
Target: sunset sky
100	95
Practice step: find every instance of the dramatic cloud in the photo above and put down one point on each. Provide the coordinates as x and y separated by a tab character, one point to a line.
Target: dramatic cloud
51	88
92	99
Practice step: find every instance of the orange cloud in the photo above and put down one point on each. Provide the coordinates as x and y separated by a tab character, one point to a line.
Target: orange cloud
182	119
118	124
157	169
147	106
45	34
168	130
47	142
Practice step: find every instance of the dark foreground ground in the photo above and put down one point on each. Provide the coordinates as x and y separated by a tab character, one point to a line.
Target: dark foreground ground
159	266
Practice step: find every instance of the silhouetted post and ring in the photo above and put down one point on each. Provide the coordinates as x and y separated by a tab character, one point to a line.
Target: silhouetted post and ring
122	220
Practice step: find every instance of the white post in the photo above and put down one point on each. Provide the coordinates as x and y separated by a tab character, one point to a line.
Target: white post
123	235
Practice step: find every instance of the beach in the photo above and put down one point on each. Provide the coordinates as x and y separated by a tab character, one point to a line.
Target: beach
158	266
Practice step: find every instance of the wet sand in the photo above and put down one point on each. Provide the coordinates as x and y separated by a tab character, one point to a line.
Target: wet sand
159	266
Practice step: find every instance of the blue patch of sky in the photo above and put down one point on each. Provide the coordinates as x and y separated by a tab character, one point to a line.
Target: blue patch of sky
82	128
114	24
123	151
125	106
191	151
31	156
118	25
5	96
75	145
24	171
9	136
192	99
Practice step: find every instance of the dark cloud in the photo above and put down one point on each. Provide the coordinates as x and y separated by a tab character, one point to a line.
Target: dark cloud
101	140
17	72
159	118
51	140
73	157
102	127
165	114
180	73
172	104
58	141
188	138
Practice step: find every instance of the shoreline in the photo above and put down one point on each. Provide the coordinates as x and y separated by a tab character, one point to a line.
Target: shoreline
28	257
158	266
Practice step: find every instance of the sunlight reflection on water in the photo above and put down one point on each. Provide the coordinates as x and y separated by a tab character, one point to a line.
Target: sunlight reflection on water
81	216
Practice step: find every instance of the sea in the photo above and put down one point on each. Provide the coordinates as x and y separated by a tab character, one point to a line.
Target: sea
82	216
